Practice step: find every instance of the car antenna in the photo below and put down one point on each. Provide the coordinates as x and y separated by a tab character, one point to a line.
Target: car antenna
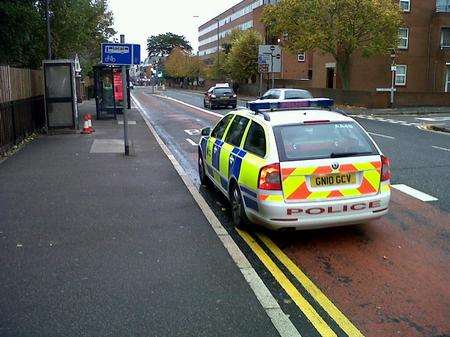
264	114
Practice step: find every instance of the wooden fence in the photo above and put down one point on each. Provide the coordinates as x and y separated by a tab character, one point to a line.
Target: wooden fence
22	110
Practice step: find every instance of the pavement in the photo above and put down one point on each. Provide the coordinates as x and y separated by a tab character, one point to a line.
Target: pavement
93	243
387	277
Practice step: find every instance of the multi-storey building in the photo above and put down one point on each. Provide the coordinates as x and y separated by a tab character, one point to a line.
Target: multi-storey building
422	56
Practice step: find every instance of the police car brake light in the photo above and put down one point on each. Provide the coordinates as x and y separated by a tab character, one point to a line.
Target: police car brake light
291	104
385	168
270	177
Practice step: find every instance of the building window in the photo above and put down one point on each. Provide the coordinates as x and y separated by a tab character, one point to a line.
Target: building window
301	57
445	37
447	80
403	38
405	5
400	75
442	5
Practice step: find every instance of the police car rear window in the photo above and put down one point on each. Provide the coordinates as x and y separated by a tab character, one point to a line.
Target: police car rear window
325	140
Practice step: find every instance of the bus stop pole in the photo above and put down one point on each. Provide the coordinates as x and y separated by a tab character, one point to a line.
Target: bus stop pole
125	104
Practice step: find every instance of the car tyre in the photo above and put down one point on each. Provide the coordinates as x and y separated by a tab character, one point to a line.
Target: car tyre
211	107
204	179
238	217
234	106
204	104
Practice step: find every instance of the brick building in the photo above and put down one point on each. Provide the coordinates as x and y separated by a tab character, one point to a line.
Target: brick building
422	58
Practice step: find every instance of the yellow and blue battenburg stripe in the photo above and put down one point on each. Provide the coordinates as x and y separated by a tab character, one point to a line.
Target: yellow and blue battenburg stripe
223	169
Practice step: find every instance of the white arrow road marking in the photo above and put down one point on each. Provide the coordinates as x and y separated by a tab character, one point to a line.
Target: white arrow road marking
414	193
192	132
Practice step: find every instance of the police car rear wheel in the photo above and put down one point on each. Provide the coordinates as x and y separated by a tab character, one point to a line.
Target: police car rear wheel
238	216
204	180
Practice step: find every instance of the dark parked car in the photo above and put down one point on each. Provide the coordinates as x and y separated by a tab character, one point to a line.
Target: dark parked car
220	97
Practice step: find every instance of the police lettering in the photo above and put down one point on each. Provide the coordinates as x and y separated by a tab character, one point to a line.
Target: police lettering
335	209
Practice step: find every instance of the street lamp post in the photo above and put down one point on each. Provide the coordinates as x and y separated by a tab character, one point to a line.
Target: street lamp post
49	35
218	48
393	70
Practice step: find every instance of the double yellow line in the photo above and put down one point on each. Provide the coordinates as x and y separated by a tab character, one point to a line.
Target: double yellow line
308	310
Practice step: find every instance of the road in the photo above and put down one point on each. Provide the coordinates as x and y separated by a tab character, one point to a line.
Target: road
386	278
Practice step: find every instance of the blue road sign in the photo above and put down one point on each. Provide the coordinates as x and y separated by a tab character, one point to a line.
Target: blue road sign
136	54
121	53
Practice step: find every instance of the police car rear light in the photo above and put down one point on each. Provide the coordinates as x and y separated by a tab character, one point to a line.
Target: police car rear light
385	168
316	122
270	177
291	104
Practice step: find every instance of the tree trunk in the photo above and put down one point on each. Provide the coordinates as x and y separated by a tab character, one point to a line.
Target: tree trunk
343	67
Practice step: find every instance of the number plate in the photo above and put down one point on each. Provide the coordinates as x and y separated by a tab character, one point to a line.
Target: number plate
333	180
224	97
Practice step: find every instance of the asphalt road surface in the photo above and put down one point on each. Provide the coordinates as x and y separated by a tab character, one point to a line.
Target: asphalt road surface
386	278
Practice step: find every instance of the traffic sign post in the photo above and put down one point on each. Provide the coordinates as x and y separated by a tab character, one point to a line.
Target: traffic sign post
122	54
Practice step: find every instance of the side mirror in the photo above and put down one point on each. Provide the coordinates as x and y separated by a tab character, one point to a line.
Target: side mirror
206	131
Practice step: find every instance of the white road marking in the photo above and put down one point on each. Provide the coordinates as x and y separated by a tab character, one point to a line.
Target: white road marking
440	148
280	320
190	141
414	193
380	135
128	122
192	132
435	119
191	106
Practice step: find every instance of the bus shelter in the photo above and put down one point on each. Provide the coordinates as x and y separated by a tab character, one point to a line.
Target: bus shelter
108	90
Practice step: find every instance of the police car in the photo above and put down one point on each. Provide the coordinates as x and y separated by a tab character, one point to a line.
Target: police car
295	164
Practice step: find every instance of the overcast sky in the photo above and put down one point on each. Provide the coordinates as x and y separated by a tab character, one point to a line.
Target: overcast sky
139	19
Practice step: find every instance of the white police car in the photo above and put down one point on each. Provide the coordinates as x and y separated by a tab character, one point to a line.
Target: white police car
295	164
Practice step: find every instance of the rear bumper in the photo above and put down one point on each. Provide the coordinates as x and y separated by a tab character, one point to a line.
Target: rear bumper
310	215
224	102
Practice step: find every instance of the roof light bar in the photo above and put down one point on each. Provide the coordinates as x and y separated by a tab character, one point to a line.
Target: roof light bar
291	104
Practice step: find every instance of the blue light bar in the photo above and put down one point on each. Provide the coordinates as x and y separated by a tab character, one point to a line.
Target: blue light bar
291	104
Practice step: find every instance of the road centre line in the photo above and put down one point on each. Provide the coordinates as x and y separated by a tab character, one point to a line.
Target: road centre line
279	319
316	320
380	135
440	148
190	141
414	193
343	322
191	106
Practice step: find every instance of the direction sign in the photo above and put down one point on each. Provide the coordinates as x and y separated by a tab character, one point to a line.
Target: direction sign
268	54
121	53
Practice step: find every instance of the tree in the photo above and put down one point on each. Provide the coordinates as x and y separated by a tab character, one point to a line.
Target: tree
22	33
196	67
337	27
77	27
177	63
242	61
162	45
